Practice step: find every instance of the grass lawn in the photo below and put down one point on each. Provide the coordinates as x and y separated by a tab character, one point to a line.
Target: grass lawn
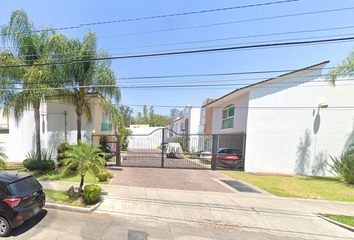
69	176
326	188
340	218
60	197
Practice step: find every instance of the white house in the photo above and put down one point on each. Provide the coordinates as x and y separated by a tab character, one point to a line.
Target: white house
58	124
292	122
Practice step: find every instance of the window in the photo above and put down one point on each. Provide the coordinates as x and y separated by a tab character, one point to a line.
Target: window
106	125
4	123
228	117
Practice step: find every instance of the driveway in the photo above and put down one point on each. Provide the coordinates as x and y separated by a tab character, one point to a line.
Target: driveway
167	178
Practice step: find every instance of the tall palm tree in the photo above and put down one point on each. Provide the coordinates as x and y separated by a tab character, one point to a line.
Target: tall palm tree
84	80
86	158
25	86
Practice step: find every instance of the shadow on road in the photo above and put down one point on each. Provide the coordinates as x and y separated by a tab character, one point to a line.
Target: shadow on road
29	224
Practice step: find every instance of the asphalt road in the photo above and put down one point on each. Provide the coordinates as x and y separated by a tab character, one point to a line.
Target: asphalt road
55	224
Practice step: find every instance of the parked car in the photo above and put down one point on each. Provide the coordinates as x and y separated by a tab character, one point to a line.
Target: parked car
21	197
229	157
113	149
107	150
205	156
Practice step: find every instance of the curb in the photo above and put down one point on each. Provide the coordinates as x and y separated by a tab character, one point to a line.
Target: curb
350	228
72	208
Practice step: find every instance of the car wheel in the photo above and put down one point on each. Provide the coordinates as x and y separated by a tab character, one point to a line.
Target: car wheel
4	227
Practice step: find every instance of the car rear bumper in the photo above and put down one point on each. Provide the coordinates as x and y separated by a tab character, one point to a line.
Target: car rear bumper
26	213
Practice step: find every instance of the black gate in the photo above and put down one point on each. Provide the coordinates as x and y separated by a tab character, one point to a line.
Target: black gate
168	149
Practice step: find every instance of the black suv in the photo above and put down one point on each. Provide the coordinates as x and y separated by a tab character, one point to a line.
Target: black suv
21	197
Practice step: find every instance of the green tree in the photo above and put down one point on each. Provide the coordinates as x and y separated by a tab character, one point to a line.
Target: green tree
30	48
343	69
175	112
127	114
86	79
86	158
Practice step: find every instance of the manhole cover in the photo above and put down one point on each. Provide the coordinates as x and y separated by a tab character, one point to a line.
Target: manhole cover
137	235
239	186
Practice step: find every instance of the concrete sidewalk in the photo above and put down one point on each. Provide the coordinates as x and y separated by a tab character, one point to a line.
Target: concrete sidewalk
250	212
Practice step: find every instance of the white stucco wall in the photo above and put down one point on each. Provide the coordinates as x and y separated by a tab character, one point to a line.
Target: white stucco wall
145	138
20	139
298	140
240	116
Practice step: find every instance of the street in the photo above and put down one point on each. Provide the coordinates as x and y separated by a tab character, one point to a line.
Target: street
57	224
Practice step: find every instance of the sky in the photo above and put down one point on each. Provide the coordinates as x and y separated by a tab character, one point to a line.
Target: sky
234	27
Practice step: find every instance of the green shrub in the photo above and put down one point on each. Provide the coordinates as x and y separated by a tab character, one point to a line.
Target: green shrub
92	193
46	165
102	177
124	149
344	167
63	147
30	164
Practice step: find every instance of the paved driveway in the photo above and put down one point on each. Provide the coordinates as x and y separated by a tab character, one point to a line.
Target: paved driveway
166	178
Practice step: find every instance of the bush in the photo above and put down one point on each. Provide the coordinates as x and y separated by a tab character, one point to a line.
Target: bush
46	165
63	147
102	177
92	193
344	167
124	149
30	164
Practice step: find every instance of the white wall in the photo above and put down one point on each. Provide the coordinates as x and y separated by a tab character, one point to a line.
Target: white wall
145	138
240	116
298	140
56	124
20	139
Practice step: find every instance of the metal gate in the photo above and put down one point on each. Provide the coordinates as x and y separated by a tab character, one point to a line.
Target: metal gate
168	149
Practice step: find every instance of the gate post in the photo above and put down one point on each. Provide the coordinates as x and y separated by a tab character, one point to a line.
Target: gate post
163	148
214	150
118	160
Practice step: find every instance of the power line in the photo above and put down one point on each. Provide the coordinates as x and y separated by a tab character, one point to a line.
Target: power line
188	52
256	19
302	38
171	15
199	81
232	22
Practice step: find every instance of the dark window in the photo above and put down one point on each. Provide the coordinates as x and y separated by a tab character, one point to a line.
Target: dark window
24	187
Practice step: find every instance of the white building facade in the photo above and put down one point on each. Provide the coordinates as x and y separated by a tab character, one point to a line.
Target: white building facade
292	123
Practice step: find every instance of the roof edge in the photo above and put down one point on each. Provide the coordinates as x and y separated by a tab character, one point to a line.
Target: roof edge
269	79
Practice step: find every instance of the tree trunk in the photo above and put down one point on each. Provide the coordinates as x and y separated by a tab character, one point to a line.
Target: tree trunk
37	122
81	185
79	114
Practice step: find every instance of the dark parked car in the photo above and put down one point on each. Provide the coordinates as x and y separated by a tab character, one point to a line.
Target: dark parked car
21	197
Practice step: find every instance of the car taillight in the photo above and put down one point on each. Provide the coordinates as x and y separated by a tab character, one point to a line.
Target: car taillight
231	157
209	155
13	202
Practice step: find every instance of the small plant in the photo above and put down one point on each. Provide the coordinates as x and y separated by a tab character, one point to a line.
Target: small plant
343	166
31	154
102	177
92	193
31	164
124	149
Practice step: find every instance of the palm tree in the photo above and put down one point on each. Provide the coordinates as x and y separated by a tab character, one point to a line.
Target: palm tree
86	158
344	69
84	80
25	86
